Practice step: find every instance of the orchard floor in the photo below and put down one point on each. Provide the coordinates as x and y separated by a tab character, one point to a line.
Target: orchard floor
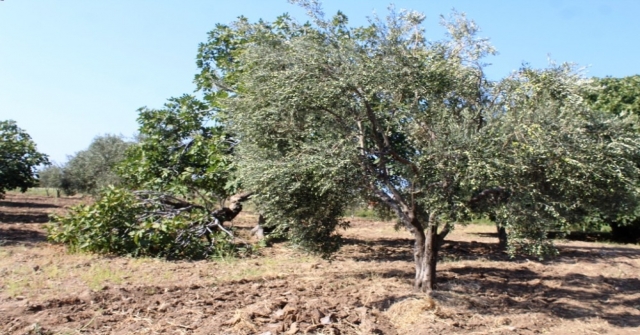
591	288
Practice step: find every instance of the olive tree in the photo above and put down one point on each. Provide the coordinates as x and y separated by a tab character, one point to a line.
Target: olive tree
325	112
89	170
19	158
575	166
51	177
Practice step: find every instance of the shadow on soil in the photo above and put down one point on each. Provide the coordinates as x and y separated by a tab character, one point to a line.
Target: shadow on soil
488	290
573	296
24	218
20	222
401	249
24	236
25	205
573	236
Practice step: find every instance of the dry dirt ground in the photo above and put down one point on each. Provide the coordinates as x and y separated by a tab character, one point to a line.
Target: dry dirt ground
591	288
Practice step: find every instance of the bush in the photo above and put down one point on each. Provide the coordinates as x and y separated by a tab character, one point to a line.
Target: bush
120	223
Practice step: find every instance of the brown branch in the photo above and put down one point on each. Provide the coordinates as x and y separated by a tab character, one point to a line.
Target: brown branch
443	234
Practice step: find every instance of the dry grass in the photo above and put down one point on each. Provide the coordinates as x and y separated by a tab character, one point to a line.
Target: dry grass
408	313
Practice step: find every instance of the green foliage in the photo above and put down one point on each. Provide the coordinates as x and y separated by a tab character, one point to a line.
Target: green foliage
303	200
121	223
19	158
616	95
181	150
94	168
181	153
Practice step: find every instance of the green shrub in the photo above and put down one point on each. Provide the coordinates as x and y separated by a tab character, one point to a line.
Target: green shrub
120	223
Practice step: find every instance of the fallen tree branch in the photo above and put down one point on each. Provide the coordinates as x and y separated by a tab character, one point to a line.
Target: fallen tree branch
161	206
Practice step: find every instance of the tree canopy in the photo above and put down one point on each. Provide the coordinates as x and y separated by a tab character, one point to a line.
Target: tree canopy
181	150
19	158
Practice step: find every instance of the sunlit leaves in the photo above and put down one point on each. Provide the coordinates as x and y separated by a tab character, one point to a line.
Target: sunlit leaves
182	149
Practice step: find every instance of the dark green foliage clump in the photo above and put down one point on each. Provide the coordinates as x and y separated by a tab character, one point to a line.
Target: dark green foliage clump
617	96
304	206
19	158
121	223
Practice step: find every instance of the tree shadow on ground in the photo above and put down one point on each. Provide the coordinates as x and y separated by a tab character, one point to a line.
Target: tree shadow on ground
490	289
571	236
401	249
21	204
27	218
23	236
380	250
571	296
21	221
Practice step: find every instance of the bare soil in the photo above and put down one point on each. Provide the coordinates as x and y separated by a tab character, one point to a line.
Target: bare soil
591	288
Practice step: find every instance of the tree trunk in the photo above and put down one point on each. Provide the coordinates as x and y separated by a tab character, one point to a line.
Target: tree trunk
226	214
258	230
502	232
502	237
426	257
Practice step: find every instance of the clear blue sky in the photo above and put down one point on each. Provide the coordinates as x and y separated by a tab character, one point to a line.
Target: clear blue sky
74	69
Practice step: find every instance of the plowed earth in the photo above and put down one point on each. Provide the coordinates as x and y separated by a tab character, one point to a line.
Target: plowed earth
591	288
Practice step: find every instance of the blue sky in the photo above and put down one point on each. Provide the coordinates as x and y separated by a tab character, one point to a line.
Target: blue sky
74	69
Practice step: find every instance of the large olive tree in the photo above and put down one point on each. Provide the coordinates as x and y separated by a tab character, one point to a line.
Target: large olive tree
325	112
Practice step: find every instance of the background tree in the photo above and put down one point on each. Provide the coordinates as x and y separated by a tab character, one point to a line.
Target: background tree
94	168
325	112
19	158
618	96
576	165
51	177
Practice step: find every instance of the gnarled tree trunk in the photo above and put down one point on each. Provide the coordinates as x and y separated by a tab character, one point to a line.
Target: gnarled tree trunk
229	213
427	244
258	230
